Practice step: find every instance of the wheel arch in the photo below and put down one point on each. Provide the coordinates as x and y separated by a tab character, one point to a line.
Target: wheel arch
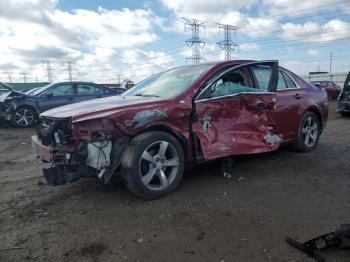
317	113
164	128
30	106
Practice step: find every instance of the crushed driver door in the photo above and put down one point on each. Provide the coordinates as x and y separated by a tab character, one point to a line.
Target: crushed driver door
240	119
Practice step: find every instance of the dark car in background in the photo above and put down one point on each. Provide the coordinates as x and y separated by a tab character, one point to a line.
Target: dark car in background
4	88
183	115
331	88
23	110
344	98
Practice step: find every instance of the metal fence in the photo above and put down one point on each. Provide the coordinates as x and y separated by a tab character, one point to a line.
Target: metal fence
337	78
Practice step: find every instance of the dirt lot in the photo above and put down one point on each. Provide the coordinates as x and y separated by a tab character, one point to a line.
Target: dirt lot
209	218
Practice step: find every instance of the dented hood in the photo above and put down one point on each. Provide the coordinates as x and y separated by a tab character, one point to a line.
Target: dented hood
101	107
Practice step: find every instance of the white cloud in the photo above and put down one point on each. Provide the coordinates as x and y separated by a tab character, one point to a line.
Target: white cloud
194	8
293	31
299	8
36	30
249	47
314	32
313	52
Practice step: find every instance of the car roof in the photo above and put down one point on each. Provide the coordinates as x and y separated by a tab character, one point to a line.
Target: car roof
74	82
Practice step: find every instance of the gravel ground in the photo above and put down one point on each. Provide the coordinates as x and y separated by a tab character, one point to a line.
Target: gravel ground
209	218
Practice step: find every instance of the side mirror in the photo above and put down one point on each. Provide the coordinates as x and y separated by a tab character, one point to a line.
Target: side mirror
49	94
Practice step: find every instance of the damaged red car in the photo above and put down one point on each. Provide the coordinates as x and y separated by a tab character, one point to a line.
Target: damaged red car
184	115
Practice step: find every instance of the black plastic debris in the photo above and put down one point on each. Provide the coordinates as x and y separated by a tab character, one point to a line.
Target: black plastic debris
337	239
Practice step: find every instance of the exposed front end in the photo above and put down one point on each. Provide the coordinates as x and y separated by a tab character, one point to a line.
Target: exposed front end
71	151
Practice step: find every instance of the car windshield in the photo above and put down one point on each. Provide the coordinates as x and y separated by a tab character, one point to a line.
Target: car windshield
41	89
170	83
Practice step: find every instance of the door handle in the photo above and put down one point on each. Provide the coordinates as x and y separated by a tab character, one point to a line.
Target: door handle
298	96
264	106
260	106
70	98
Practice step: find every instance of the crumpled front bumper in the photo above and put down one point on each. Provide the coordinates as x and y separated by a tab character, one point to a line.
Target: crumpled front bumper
56	167
62	165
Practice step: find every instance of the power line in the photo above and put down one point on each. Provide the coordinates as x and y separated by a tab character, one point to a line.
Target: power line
227	44
195	43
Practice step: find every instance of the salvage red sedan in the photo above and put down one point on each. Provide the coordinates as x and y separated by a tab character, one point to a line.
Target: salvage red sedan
187	114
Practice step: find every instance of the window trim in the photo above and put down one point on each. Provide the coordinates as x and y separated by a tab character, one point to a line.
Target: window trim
295	83
209	82
57	85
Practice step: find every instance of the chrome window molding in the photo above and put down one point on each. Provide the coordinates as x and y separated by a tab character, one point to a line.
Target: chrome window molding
234	95
295	83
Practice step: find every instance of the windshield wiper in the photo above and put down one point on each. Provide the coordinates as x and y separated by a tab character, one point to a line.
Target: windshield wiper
145	95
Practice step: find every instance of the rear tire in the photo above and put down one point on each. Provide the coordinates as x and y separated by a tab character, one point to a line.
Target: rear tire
309	132
153	164
24	116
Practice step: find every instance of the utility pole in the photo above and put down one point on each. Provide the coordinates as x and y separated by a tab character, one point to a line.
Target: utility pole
69	70
49	70
9	75
119	78
227	44
330	63
24	74
195	43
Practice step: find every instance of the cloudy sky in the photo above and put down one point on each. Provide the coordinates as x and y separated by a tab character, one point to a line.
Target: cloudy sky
137	38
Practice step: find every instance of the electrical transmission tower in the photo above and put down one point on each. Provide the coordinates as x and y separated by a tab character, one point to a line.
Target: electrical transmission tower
9	75
24	74
227	44
69	70
195	43
49	70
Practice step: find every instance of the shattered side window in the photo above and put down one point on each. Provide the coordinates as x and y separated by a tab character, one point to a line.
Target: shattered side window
231	83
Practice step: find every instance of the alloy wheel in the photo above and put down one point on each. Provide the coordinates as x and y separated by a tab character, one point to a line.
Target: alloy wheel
310	132
159	165
24	117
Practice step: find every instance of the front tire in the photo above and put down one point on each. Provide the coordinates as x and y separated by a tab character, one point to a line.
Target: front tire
309	132
23	117
153	164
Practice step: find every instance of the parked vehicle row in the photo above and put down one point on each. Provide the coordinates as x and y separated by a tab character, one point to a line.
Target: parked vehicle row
333	90
4	88
23	109
184	115
344	98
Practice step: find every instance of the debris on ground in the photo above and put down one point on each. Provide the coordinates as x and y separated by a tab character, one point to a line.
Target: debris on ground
9	249
337	239
226	167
